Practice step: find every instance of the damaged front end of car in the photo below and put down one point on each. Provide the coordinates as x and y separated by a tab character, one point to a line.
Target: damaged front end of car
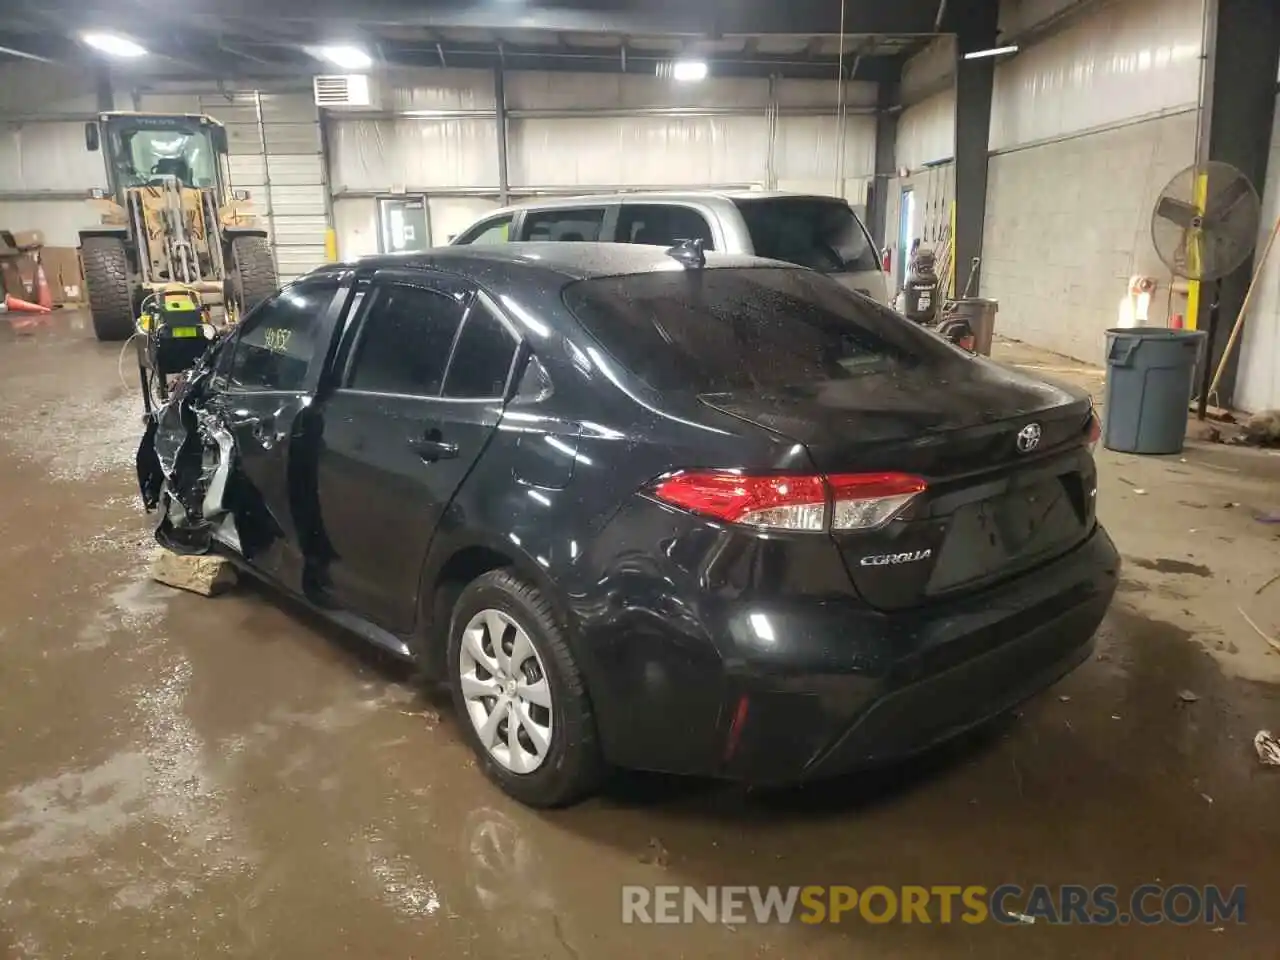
185	464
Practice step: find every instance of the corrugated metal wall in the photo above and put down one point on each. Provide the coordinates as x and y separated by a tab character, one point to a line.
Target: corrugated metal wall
433	132
45	166
44	160
1087	127
276	156
924	148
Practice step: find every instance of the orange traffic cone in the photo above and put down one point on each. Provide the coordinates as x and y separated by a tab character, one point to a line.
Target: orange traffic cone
22	306
44	295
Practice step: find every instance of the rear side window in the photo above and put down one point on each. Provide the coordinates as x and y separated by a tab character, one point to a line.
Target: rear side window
482	358
274	349
717	330
662	225
823	235
405	341
582	223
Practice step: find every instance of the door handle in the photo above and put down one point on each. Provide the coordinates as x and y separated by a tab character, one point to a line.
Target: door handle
430	449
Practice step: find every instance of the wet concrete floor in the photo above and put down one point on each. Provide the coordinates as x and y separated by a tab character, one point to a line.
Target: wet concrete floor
185	777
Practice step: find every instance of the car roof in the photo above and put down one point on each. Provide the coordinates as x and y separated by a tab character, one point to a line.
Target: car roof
527	260
657	196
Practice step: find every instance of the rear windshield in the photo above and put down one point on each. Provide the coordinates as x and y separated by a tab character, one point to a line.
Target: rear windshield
718	330
822	235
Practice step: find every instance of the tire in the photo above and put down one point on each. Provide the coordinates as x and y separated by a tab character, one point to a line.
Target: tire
106	279
570	766
255	276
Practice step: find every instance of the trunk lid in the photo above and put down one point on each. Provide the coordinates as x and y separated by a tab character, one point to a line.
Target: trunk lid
996	504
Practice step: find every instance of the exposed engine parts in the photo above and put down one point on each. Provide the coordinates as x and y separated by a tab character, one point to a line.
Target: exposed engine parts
184	469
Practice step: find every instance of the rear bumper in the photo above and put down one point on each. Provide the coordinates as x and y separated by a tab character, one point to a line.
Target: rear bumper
816	689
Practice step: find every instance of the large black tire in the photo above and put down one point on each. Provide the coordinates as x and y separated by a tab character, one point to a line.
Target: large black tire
106	279
573	765
254	277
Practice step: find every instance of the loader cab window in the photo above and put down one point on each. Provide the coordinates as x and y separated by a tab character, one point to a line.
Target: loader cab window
147	155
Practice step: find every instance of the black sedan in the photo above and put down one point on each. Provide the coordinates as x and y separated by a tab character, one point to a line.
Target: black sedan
713	516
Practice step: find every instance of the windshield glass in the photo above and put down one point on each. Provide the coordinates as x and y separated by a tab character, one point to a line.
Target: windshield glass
146	154
716	330
822	235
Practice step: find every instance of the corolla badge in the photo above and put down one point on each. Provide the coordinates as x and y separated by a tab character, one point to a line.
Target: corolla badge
1029	437
893	559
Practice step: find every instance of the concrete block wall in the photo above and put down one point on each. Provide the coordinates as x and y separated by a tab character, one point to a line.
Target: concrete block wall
1068	223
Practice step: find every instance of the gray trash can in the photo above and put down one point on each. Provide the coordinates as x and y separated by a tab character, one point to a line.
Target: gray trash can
980	313
1149	379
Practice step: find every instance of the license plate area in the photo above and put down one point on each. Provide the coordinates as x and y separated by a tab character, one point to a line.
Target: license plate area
1001	534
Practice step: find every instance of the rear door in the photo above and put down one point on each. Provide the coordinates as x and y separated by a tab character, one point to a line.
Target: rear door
588	223
267	376
422	388
663	224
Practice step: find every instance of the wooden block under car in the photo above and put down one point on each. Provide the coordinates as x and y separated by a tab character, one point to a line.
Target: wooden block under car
206	575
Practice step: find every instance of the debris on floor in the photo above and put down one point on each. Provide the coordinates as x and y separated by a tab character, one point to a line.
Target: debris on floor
656	854
206	575
1268	748
1271	641
430	718
1188	696
1263	429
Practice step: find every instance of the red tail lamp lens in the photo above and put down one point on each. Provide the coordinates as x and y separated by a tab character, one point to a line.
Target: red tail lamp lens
861	501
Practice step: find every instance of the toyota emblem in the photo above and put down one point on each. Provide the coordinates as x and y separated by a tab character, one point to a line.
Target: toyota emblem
1029	437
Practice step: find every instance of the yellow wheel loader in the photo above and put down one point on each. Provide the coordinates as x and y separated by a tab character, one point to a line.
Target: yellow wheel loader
170	218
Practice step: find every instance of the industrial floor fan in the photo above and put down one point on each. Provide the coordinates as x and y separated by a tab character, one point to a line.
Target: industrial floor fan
1204	226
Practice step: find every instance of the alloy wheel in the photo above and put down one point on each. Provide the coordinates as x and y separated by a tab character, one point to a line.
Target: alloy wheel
504	686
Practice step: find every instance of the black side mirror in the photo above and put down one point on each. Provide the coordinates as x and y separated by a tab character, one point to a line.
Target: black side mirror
219	136
91	140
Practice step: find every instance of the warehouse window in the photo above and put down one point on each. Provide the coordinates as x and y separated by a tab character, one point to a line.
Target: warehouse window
581	223
662	225
275	345
405	341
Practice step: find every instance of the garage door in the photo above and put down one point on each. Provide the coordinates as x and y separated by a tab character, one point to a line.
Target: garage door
275	155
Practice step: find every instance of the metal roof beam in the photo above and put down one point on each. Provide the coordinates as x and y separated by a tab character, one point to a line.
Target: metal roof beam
315	18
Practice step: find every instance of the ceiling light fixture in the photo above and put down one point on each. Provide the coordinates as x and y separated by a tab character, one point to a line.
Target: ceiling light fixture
689	71
345	56
993	52
113	44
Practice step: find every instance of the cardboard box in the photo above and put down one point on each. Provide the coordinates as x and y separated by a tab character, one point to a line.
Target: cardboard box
28	239
62	270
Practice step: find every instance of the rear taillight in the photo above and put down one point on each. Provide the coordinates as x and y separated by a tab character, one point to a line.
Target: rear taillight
859	501
864	501
1093	431
784	502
